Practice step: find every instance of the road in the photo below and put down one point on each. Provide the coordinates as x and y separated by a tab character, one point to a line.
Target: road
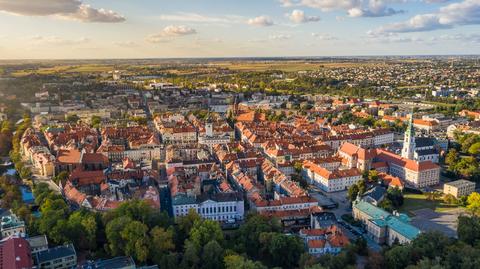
343	208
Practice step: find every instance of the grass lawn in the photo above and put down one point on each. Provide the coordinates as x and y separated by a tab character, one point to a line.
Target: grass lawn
414	202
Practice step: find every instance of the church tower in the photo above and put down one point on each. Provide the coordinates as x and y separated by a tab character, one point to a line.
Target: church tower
209	126
409	141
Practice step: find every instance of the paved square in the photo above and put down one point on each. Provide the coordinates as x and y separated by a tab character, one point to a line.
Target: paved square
445	222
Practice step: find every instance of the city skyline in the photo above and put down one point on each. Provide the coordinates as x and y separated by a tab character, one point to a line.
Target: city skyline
66	29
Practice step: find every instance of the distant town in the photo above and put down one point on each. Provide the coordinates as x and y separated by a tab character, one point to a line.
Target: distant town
368	162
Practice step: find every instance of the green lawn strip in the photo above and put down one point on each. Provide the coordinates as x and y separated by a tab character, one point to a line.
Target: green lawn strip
414	202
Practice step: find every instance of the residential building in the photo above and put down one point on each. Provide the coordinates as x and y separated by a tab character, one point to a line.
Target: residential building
37	243
11	225
122	262
330	240
15	253
459	188
61	257
331	181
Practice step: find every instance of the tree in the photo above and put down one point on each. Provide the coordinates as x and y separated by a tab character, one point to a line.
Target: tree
185	225
161	244
474	149
397	257
372	176
352	192
136	241
361	187
95	121
361	247
212	255
450	199
247	237
61	177
82	230
191	257
298	166
452	157
395	195
387	205
239	262
427	264
467	166
279	249
468	229
25	172
204	231
474	203
113	230
72	118
375	260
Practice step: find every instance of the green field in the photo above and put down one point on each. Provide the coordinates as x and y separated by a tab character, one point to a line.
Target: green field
64	69
286	66
414	202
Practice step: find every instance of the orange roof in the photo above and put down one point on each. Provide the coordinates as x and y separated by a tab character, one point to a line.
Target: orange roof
251	117
316	243
73	195
68	156
377	165
361	153
338	240
390	180
391	157
94	158
424	122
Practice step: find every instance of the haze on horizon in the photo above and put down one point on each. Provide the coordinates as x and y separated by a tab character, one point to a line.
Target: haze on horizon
75	29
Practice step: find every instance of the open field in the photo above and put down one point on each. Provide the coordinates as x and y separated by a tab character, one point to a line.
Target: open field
413	202
64	69
287	66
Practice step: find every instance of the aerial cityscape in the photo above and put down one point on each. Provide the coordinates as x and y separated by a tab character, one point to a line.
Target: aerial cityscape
295	134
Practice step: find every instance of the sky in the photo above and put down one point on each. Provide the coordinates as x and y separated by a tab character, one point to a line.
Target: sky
74	29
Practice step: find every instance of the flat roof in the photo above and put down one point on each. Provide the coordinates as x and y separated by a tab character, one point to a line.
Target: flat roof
460	182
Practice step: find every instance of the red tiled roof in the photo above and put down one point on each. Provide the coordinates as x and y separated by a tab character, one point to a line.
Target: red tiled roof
68	156
15	253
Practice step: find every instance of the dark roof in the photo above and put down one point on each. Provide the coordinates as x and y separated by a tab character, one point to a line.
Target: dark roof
376	193
55	253
114	263
220	197
421	142
424	152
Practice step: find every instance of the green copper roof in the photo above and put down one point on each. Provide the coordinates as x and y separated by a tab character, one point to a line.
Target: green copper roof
382	218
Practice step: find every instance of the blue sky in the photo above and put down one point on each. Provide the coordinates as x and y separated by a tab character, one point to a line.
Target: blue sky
228	28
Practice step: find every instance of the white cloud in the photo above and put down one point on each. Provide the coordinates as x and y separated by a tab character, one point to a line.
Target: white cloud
471	38
126	44
199	18
354	8
452	15
324	37
298	16
261	21
170	32
54	40
280	37
68	9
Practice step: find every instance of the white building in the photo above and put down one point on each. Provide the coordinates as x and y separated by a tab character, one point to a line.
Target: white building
217	206
459	188
330	181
